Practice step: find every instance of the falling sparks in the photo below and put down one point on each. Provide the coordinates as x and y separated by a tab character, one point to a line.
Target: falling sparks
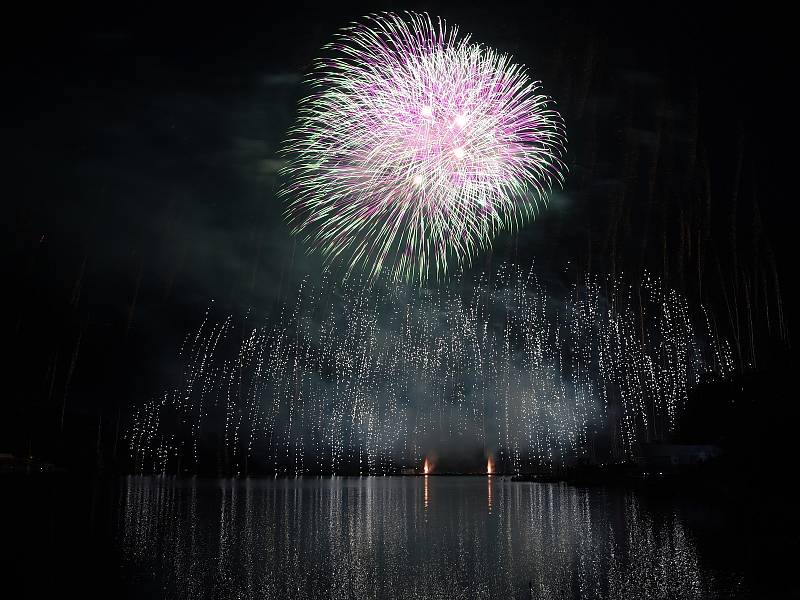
416	148
349	379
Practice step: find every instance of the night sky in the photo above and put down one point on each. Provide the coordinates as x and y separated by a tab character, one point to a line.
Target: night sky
140	170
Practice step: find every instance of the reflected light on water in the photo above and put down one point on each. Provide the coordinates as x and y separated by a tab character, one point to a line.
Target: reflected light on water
370	538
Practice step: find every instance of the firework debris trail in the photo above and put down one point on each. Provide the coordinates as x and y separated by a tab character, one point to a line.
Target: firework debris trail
369	379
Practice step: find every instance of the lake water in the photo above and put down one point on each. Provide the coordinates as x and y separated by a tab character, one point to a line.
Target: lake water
378	537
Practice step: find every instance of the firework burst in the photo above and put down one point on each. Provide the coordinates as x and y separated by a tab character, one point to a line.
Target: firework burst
351	378
416	147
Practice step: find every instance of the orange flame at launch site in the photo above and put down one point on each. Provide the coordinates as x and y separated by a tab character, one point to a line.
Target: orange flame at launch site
489	466
426	467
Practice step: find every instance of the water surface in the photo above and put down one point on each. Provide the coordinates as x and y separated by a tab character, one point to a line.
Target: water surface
407	537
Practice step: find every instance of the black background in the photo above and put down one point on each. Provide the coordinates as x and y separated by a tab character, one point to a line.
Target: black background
139	158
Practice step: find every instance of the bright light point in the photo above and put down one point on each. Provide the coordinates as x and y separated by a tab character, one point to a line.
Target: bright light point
427	111
461	120
459	152
417	179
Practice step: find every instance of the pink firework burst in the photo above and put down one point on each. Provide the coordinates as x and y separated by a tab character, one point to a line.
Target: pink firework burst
416	147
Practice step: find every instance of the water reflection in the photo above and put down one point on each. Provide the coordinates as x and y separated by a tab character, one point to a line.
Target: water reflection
382	538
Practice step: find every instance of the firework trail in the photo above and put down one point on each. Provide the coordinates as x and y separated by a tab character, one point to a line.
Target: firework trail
416	147
353	380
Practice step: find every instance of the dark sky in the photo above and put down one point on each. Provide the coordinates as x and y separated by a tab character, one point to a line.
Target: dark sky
140	156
